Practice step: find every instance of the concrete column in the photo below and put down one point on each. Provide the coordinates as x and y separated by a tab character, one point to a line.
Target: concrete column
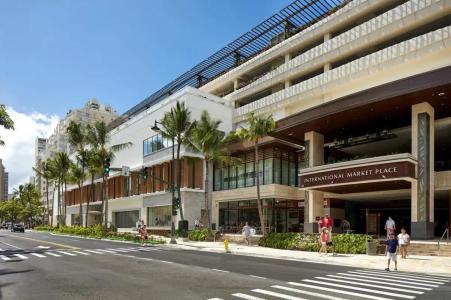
422	191
327	66
314	200
236	84
287	59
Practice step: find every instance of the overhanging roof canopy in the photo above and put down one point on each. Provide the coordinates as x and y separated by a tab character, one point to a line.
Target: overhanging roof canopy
292	19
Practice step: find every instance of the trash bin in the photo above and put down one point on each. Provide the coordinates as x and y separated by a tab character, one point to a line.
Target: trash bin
213	226
371	247
183	228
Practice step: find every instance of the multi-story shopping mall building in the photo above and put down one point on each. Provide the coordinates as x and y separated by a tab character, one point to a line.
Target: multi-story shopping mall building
361	92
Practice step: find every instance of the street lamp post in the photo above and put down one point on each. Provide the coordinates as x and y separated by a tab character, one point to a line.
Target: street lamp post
173	209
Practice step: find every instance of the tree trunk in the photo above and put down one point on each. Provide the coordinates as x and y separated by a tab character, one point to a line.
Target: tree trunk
179	181
207	192
58	219
47	200
65	203
87	200
80	212
257	177
53	204
106	206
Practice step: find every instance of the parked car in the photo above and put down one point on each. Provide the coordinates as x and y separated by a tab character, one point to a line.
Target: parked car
18	227
6	225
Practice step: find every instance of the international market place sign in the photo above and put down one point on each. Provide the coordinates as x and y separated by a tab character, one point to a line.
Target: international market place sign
374	172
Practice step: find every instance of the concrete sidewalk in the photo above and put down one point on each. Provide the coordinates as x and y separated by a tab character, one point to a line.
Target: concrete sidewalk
413	263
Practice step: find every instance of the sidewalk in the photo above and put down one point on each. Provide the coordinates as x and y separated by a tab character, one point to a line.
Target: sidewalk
413	263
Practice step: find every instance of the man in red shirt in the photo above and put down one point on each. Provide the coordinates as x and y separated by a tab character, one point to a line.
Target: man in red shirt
328	223
321	224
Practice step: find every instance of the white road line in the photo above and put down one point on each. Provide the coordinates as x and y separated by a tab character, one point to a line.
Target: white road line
67	253
258	277
20	256
397	277
325	296
82	253
346	276
279	295
5	258
387	279
11	245
93	251
218	270
53	254
1	250
338	291
215	299
165	261
371	285
38	255
247	297
118	250
358	289
107	251
396	274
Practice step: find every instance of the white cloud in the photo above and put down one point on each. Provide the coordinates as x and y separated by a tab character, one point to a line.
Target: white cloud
18	153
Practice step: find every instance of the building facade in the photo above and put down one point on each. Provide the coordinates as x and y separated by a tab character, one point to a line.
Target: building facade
361	96
3	182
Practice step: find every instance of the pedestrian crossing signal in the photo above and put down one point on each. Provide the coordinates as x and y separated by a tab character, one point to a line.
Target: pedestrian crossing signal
144	171
106	167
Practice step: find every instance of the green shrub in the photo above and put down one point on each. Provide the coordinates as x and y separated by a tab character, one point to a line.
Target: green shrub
342	243
44	228
200	234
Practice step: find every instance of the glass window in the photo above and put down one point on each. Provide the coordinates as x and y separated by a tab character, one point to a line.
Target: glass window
260	171
268	171
285	172
293	175
217	179
225	178
126	219
159	216
250	174
232	177
276	170
241	175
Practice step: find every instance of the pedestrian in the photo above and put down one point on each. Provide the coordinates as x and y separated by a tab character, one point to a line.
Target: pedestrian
143	234
323	237
328	223
404	241
247	233
391	249
196	223
390	227
321	225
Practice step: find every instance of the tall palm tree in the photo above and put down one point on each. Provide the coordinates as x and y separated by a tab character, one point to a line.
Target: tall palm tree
62	165
98	139
78	139
94	163
77	175
258	127
177	126
211	143
45	170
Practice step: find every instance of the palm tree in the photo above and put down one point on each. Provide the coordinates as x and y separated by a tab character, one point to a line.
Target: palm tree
62	165
94	163
77	176
177	126
5	121
258	127
45	170
211	143
78	140
98	138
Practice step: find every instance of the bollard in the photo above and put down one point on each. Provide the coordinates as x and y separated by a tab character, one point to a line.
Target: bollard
226	246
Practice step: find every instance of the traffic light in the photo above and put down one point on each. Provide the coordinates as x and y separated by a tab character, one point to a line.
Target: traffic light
144	172
106	167
176	203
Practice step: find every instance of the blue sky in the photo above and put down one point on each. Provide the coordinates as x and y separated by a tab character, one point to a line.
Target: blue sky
56	54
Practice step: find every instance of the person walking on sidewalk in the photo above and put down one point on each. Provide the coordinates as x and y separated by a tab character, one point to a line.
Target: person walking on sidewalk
321	225
328	223
390	227
247	234
404	241
323	238
143	234
391	249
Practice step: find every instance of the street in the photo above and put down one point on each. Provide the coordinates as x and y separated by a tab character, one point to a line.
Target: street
43	266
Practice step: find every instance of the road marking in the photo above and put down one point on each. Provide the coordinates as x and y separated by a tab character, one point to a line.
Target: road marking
1	250
283	296
107	251
21	256
6	258
215	299
43	247
218	270
370	285
387	276
247	297
118	250
93	251
258	277
165	261
38	255
358	289
384	279
353	278
329	297
53	254
41	241
67	253
415	276
82	253
338	291
10	244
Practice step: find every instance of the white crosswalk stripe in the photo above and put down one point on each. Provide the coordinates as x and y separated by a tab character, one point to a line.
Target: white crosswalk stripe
82	253
94	251
104	250
279	295
247	297
67	253
38	255
396	277
286	288
53	254
5	258
366	296
407	275
118	250
384	279
20	256
345	276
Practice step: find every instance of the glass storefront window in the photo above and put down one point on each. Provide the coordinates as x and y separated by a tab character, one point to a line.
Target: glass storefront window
285	172
126	219
293	175
232	176
225	178
217	179
277	170
241	175
159	216
250	174
268	171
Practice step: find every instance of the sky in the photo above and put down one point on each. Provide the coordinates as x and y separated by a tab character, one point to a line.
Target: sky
57	54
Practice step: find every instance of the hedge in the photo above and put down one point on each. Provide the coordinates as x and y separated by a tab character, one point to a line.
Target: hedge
202	235
342	243
97	231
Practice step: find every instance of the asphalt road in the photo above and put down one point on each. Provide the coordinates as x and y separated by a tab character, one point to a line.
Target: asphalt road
42	266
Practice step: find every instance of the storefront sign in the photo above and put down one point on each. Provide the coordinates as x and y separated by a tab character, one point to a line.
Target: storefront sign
356	174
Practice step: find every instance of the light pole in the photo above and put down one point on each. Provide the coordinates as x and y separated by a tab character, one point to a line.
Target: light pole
173	209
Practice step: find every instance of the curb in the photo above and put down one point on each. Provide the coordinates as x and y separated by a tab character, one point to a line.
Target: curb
96	239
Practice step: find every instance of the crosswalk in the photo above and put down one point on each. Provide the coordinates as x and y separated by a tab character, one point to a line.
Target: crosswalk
351	285
14	254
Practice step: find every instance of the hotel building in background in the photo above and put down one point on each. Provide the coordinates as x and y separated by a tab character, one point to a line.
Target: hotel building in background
361	92
3	182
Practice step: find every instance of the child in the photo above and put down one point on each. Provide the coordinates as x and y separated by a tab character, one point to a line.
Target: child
143	233
404	241
323	237
391	249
